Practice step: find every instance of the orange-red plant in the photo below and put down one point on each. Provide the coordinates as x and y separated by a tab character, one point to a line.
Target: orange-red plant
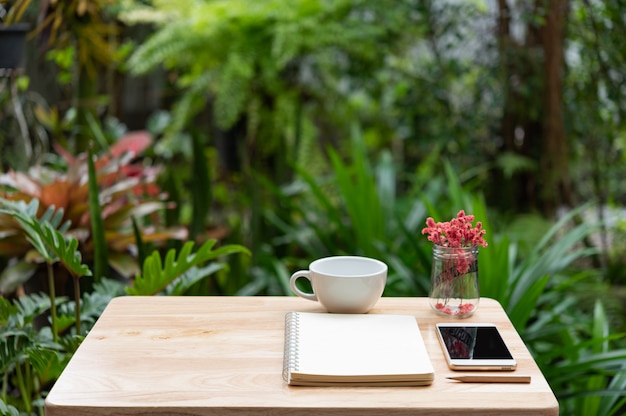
127	189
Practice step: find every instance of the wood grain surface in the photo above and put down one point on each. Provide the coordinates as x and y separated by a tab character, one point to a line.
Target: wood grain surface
223	356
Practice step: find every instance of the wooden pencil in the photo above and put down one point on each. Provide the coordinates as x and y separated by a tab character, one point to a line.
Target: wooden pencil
491	379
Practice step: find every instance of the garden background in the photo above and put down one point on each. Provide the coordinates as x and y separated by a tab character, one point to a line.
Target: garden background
207	147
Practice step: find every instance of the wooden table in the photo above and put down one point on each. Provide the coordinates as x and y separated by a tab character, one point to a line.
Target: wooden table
223	356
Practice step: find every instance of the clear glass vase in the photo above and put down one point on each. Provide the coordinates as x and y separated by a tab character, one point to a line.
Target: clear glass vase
454	288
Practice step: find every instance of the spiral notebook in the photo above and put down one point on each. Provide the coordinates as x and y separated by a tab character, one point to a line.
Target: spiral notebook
324	349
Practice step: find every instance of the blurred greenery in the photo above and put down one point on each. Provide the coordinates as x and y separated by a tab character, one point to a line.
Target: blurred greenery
293	130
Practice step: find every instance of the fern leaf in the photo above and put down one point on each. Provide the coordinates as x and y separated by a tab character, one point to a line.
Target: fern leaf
191	103
233	90
171	43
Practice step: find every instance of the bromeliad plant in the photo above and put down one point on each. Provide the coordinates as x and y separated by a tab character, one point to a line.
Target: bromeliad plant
454	276
127	199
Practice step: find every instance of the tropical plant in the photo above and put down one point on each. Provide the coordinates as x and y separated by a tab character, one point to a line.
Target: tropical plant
276	84
85	32
127	191
29	357
32	353
574	346
578	353
350	207
47	238
178	272
269	44
532	281
598	120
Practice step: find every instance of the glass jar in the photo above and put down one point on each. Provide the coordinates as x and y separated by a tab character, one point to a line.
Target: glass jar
454	281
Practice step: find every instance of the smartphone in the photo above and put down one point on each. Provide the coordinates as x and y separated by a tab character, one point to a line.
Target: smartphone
474	346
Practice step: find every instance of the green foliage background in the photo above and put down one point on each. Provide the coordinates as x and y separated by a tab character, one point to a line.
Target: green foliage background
305	128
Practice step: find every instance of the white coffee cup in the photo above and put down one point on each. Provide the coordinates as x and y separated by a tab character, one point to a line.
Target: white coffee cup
344	284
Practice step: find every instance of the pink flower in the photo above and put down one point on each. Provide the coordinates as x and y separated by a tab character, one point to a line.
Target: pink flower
458	232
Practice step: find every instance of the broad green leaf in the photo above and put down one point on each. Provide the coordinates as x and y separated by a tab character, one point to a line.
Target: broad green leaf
521	312
181	285
600	327
46	237
158	274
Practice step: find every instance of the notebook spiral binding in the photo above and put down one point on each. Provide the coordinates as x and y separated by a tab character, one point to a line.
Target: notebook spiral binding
290	357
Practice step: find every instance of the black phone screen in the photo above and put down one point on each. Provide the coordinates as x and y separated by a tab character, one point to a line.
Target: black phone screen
474	342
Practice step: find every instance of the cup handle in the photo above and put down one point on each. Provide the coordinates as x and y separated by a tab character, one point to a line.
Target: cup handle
292	283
